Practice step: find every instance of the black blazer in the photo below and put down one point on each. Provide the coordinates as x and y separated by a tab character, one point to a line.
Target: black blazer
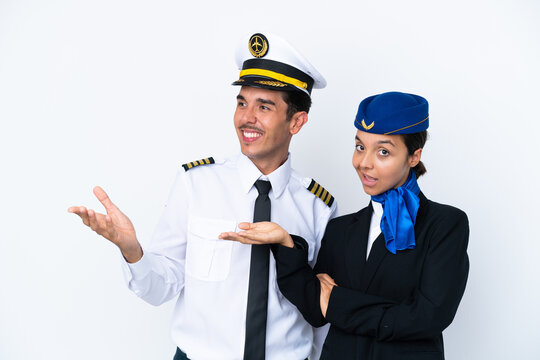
390	307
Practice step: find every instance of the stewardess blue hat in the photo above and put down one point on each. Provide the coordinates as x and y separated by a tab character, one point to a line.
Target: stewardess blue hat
393	113
268	61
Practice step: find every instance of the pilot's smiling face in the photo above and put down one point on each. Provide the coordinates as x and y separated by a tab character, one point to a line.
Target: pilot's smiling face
261	124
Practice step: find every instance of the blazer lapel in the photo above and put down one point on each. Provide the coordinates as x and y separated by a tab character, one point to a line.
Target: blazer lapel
379	251
355	257
376	256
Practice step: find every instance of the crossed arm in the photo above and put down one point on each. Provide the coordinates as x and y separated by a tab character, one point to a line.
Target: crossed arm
430	309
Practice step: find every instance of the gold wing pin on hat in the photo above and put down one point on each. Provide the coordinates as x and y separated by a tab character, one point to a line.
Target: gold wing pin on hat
367	127
258	45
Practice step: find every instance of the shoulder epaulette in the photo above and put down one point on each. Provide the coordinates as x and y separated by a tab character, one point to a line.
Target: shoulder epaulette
321	193
193	164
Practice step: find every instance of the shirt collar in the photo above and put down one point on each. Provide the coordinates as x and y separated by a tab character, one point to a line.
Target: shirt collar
377	209
278	178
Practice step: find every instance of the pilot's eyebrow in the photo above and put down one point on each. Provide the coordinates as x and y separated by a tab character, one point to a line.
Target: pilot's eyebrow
266	101
240	97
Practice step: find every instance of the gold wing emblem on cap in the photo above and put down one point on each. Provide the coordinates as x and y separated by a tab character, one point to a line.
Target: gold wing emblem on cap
258	45
367	127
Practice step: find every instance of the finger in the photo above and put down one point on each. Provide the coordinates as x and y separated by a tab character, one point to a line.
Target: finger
79	211
255	237
83	213
324	287
329	279
110	228
96	221
227	236
327	283
262	226
246	226
231	236
236	237
103	198
75	210
326	278
324	283
92	219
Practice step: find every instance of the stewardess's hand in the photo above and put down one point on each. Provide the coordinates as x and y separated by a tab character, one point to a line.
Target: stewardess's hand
327	284
263	232
113	226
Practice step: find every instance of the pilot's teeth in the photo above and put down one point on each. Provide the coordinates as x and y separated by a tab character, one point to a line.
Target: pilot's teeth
251	134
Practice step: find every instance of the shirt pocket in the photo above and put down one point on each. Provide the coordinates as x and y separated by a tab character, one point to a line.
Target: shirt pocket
207	257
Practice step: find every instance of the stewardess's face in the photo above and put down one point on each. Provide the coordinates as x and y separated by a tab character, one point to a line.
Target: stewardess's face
382	161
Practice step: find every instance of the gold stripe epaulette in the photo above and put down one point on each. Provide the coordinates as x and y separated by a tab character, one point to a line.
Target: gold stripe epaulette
193	164
321	193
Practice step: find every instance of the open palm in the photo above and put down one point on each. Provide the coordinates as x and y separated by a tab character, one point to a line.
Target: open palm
115	226
264	232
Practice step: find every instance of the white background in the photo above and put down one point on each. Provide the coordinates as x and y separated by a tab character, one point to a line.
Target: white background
120	93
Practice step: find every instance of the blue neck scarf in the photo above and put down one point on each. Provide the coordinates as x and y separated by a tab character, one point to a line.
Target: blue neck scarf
400	207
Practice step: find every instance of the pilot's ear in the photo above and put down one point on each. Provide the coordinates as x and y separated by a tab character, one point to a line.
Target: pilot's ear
297	121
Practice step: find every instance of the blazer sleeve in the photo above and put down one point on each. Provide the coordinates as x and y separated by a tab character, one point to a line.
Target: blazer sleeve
432	305
297	281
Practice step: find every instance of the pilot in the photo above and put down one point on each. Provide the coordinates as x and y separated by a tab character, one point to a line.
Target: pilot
228	303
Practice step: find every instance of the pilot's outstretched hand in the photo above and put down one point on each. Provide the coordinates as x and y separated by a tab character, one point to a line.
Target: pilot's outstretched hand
115	226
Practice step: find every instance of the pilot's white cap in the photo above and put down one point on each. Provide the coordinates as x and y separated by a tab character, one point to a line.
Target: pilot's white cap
268	61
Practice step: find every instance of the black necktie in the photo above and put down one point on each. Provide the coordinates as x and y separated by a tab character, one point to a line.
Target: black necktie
255	345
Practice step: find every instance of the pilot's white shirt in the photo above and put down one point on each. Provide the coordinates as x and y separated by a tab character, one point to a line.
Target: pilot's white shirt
209	276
